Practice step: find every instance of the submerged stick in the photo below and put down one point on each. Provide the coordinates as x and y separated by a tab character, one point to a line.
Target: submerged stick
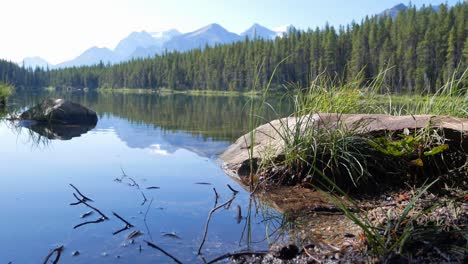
144	198
209	218
57	257
122	219
163	251
232	189
127	224
216	196
82	195
90	206
90	222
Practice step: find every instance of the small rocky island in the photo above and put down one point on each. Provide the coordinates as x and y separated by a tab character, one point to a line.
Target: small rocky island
60	111
59	119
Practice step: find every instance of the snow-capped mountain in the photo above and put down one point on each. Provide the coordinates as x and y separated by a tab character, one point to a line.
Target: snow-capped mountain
136	39
209	35
146	44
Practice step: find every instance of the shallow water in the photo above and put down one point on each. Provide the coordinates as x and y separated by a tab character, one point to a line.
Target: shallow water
170	142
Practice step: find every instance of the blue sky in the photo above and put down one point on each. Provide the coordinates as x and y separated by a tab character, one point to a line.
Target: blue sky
59	30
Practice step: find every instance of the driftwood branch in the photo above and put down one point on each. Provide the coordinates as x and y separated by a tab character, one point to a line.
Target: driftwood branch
82	195
90	206
163	251
57	257
209	218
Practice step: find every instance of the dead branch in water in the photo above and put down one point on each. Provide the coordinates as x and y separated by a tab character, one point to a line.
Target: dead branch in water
216	196
134	183
127	224
232	189
144	198
163	251
90	206
57	257
90	222
82	195
215	208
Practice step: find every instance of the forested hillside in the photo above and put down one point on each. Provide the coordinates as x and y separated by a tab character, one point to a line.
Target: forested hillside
422	49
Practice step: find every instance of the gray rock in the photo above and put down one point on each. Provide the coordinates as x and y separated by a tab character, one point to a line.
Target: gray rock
269	143
60	111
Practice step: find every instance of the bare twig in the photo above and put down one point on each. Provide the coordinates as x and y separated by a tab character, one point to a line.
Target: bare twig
236	255
57	257
163	251
144	198
134	183
127	224
90	206
122	219
82	195
120	230
209	218
311	256
123	172
216	196
232	189
90	222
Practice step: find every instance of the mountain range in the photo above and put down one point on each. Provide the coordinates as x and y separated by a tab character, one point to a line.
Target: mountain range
147	44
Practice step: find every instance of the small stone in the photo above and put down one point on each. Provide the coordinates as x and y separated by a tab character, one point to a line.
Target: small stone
337	256
75	253
284	252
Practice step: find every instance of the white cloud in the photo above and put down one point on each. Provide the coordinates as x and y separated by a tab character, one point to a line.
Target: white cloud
156	149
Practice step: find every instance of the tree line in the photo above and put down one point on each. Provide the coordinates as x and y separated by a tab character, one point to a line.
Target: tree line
420	49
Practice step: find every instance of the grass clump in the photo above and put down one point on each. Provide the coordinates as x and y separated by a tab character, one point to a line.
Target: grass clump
5	91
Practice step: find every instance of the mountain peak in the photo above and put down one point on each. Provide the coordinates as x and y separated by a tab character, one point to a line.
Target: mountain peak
33	62
211	27
135	39
259	31
393	12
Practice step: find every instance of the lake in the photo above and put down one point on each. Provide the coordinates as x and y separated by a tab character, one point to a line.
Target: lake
151	159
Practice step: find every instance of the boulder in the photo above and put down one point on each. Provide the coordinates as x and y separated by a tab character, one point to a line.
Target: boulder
268	141
60	111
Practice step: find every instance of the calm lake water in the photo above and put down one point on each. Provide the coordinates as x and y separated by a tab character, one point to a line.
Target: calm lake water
170	142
